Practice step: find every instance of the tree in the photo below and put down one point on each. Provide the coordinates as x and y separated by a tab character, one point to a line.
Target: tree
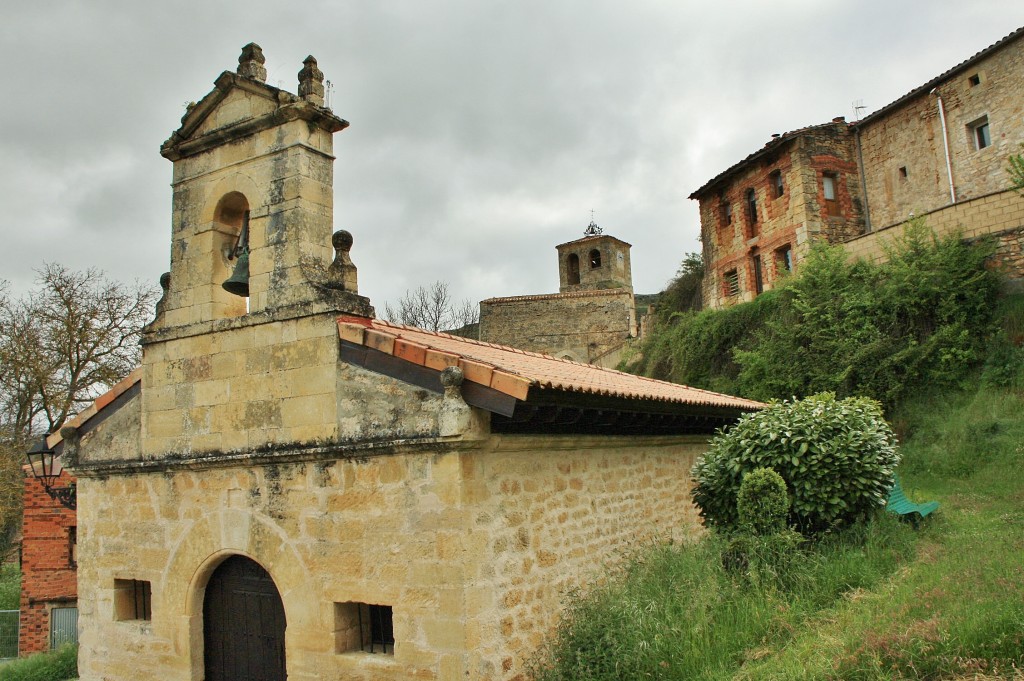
1016	171
61	346
433	309
683	293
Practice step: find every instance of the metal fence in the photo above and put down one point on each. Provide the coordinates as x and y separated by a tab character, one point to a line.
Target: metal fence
9	620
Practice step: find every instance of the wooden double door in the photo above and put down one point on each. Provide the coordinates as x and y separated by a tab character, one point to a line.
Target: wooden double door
243	624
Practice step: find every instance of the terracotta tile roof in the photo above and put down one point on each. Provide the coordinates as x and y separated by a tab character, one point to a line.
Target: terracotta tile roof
102	401
553	296
937	80
517	372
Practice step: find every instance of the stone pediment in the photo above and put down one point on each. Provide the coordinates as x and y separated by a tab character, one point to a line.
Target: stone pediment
240	106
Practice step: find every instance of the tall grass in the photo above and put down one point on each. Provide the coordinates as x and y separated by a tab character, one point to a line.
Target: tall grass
881	601
676	612
56	665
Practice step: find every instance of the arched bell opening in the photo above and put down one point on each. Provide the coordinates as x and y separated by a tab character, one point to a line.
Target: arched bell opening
572	269
231	256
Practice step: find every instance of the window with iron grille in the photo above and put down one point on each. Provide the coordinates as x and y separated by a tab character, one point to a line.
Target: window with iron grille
133	599
364	627
731	283
73	546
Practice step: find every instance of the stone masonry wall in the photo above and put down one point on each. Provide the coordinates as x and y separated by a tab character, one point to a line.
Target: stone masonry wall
474	549
381	529
48	571
904	157
549	513
792	220
1000	214
581	326
261	385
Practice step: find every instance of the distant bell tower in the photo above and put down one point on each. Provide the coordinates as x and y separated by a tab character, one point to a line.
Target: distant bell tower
595	262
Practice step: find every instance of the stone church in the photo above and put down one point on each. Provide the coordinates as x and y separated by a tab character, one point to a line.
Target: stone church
290	488
589	320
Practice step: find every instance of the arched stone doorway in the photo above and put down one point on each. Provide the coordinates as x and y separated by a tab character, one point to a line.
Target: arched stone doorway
243	624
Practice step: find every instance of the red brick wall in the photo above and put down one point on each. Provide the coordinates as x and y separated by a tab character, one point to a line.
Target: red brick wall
48	578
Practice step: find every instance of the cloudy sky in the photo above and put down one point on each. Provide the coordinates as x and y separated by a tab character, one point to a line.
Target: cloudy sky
483	132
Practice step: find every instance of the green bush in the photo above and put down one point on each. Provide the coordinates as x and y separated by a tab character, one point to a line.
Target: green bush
56	665
921	320
836	456
762	504
697	348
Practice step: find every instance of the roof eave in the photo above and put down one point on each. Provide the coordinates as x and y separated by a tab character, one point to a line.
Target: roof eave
942	77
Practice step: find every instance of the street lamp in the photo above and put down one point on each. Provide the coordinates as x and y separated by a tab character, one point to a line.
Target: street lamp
46	468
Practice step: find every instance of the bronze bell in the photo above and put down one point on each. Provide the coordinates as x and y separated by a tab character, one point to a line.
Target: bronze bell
238	282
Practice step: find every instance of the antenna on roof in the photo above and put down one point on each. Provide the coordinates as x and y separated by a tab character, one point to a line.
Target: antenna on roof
858	106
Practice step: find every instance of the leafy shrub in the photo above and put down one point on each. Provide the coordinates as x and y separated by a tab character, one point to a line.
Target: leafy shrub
697	348
922	319
762	505
1004	363
836	456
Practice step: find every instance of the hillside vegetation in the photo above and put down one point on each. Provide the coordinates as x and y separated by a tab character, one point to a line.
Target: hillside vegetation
929	336
880	331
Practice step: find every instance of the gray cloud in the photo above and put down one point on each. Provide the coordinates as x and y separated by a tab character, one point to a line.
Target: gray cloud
482	135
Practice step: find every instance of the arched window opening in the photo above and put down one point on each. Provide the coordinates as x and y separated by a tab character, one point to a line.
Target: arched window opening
572	269
595	259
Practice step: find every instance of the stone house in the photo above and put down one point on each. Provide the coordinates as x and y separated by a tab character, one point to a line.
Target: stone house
759	216
288	487
939	151
589	320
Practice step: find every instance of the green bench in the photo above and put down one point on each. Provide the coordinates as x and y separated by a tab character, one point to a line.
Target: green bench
905	508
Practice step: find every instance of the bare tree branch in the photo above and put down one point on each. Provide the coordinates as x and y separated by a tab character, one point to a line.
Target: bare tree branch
60	347
432	309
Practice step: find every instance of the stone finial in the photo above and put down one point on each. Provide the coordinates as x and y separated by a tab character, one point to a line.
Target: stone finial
342	272
165	286
251	61
455	416
72	436
452	378
311	82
